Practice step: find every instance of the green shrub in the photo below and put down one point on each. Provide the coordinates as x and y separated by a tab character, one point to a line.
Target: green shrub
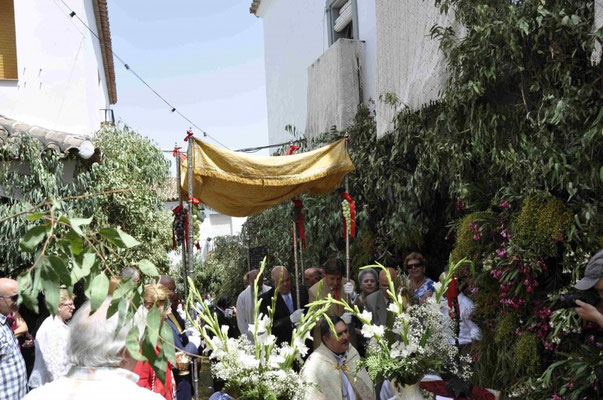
541	223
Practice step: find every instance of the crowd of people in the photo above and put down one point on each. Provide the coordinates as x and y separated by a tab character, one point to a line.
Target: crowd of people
83	355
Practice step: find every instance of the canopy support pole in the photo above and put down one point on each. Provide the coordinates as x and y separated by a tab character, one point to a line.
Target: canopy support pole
190	162
183	245
301	262
294	225
347	235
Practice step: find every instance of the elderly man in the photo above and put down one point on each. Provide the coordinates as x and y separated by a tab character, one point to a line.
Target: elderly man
333	369
311	277
245	303
378	301
13	374
593	279
287	312
102	366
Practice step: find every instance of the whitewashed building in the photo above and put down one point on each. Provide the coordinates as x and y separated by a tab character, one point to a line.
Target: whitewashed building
324	57
54	73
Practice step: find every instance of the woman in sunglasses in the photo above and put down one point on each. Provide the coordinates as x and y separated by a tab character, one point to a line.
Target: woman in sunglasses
420	285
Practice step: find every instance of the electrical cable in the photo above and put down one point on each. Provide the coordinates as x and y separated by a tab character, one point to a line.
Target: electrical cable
127	66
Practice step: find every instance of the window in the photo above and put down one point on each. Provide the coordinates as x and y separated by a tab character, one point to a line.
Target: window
8	41
342	20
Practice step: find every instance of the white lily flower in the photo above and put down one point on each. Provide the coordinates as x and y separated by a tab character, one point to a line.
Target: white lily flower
366	315
393	307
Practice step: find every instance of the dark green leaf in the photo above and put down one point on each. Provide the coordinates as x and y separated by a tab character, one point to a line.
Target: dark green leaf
50	288
119	238
60	268
32	238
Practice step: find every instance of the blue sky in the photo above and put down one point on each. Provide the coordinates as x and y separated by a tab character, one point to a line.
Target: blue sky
205	57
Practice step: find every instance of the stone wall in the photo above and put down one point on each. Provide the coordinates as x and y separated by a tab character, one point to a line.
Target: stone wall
409	63
334	81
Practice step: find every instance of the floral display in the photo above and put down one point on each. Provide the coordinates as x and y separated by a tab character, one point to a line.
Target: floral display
417	341
262	369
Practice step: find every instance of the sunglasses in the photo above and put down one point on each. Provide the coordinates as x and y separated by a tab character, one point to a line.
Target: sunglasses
13	298
414	265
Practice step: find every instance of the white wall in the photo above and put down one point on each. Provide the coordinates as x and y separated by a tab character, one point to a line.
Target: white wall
59	65
295	36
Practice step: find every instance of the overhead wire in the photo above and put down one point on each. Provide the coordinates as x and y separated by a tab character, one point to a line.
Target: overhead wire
173	109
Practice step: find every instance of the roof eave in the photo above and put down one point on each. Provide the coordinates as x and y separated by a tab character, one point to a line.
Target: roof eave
101	14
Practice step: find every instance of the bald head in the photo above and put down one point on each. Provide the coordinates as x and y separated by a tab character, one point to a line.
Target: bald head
383	283
8	289
312	276
280	276
253	274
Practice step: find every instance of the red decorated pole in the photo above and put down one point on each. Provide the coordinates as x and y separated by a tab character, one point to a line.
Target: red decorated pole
176	155
189	238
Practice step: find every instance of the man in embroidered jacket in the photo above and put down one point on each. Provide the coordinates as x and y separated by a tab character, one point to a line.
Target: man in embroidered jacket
332	367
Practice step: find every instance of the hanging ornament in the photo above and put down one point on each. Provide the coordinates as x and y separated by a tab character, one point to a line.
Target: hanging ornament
348	211
179	226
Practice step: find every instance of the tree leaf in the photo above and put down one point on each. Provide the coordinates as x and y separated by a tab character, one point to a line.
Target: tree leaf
147	267
60	268
168	346
98	291
50	288
119	238
133	344
32	238
153	325
35	217
77	222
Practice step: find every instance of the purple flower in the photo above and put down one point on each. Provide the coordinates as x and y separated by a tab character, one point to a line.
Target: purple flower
502	253
504	204
556	397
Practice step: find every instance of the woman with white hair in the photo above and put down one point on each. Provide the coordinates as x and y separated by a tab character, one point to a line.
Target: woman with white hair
102	366
51	344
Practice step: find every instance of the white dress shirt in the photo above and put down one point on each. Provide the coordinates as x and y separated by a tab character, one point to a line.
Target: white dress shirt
468	330
245	309
51	352
94	384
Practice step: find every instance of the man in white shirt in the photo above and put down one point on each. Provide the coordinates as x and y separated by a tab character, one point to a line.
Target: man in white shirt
245	303
102	365
51	344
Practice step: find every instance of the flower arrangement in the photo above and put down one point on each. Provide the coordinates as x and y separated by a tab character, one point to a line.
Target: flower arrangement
416	342
262	369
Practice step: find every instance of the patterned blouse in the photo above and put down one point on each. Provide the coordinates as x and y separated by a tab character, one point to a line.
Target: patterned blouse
424	291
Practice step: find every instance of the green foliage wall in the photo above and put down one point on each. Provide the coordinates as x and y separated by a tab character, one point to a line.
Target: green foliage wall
516	136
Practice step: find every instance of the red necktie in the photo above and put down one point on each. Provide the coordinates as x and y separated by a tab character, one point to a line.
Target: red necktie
336	294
